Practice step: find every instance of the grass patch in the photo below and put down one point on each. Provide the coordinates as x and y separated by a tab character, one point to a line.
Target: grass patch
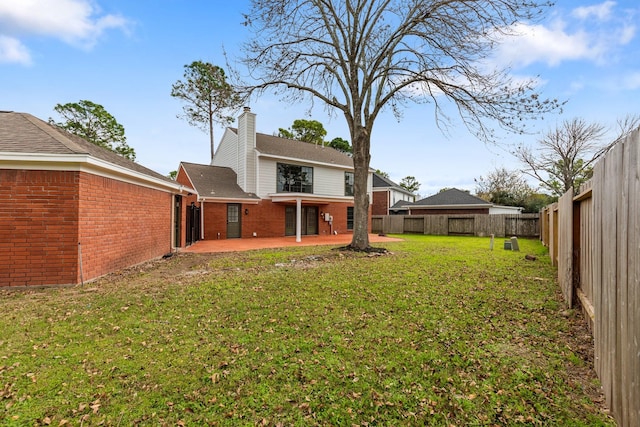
440	331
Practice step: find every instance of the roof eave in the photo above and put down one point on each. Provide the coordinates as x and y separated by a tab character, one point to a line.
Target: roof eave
450	206
292	197
243	200
297	159
83	163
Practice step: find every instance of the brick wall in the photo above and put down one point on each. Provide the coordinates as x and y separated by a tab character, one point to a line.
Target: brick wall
266	219
38	227
380	203
121	224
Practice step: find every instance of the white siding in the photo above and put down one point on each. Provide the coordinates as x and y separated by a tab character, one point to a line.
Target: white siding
251	185
326	181
267	177
501	210
397	196
246	150
227	152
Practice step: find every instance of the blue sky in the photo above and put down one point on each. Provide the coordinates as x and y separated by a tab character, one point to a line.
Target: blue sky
126	54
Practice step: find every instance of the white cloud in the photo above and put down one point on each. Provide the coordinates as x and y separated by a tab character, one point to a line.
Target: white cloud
551	45
569	40
77	22
600	11
12	51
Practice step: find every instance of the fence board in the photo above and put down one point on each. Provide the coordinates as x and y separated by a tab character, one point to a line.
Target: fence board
595	253
436	225
413	224
396	224
461	226
584	279
613	167
623	359
565	246
544	232
632	350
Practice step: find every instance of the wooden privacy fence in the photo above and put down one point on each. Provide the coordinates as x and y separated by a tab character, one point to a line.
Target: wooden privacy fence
594	240
524	225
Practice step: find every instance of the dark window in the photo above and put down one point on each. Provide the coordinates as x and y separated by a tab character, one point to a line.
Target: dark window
348	183
350	218
294	179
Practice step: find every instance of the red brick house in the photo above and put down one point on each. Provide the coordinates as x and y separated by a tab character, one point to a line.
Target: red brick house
456	202
71	211
261	185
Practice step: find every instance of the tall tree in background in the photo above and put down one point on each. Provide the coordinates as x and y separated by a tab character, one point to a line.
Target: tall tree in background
360	56
382	173
341	144
504	187
93	123
208	97
410	183
311	131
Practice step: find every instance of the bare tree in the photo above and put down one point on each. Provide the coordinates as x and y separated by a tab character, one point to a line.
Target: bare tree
360	56
626	125
565	156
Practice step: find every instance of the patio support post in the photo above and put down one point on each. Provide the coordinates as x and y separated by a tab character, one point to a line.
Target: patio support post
298	219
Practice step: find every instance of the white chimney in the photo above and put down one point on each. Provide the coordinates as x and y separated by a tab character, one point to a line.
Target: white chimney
247	128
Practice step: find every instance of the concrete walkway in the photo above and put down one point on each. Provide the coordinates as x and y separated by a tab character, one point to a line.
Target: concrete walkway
235	245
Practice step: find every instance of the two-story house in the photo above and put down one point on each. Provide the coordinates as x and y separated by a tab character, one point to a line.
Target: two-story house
389	198
262	185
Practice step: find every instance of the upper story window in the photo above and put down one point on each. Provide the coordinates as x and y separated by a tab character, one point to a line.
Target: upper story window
294	179
348	183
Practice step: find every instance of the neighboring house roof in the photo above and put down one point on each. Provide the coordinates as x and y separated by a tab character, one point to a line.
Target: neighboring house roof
451	198
215	182
24	135
277	146
401	205
382	183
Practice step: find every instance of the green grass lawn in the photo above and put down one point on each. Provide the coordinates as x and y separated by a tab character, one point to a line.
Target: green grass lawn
441	331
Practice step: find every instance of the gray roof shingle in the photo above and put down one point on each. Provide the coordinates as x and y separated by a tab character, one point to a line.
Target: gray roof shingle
215	181
284	147
24	133
451	197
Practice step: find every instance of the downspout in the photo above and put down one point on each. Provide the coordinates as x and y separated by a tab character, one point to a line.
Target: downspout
388	201
201	219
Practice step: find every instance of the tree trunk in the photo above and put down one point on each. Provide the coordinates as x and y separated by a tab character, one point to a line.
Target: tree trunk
361	159
211	137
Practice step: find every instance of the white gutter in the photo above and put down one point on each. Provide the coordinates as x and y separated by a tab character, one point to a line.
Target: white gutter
228	200
85	163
